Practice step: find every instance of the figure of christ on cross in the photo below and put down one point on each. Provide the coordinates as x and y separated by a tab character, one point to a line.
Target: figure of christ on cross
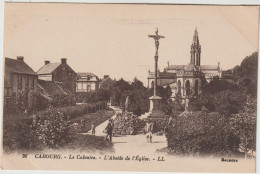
156	37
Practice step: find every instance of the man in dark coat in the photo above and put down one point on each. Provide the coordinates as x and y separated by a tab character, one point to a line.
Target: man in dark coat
109	130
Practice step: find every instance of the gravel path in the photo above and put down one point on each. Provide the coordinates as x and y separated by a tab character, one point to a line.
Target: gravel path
132	144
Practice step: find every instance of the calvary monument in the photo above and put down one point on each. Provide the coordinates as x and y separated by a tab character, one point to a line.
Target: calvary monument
155	110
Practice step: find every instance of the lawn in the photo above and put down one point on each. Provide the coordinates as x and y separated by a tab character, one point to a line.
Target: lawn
90	143
84	122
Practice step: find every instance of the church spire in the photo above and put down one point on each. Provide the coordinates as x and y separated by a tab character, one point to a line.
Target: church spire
195	49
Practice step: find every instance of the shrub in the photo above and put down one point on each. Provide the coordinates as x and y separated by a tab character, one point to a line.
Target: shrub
41	103
127	124
78	110
244	125
201	133
18	134
53	128
63	100
159	125
225	102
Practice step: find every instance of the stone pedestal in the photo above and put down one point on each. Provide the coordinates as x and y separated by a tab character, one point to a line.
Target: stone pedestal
155	110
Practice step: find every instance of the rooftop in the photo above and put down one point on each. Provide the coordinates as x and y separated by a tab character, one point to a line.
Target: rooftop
209	67
190	67
53	88
162	75
18	66
174	67
48	68
86	74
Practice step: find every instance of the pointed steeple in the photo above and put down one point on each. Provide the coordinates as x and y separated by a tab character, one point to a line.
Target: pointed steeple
196	37
195	49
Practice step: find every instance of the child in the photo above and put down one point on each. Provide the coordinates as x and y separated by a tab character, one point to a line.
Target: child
93	131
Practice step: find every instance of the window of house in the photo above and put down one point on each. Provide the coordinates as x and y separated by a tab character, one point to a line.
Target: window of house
33	78
27	77
6	91
88	88
20	81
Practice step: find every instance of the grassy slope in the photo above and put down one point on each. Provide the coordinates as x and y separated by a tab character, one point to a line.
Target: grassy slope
91	143
97	118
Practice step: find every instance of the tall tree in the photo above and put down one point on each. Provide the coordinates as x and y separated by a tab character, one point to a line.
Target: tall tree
244	125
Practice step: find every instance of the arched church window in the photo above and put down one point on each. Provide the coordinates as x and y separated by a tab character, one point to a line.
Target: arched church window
196	87
179	87
187	86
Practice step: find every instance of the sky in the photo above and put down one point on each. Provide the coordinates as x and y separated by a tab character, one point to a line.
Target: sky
113	39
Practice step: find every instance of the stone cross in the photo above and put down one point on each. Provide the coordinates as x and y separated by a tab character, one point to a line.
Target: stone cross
156	38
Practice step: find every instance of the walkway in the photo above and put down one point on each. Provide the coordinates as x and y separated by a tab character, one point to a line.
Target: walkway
135	144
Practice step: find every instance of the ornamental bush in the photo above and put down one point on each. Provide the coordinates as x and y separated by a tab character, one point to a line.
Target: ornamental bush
53	128
127	124
201	133
78	110
19	134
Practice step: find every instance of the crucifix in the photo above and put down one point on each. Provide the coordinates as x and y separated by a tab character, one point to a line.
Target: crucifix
156	38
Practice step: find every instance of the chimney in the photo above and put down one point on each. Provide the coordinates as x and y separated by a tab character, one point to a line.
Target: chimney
47	62
105	76
20	58
63	60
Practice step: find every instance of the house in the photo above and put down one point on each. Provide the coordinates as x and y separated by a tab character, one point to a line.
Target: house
87	82
60	73
20	82
106	83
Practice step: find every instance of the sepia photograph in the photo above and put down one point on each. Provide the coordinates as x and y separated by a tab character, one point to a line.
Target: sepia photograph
129	87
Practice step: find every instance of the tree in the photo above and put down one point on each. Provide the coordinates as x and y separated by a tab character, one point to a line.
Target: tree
217	85
225	102
201	133
137	84
246	74
244	125
120	92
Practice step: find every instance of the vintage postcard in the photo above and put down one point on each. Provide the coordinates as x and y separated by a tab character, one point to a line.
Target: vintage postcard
129	87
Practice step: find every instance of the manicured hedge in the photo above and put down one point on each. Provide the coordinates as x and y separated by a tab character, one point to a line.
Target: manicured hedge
78	110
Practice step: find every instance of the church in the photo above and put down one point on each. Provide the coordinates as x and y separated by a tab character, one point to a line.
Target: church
186	80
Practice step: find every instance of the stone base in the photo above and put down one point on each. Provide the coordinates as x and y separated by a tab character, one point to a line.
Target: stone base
155	110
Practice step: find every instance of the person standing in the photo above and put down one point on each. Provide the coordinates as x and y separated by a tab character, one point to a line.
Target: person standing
93	129
148	129
109	130
113	125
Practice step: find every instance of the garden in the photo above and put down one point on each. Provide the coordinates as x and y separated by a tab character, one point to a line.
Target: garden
57	129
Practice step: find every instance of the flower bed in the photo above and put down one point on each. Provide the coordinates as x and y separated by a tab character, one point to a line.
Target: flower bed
127	124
